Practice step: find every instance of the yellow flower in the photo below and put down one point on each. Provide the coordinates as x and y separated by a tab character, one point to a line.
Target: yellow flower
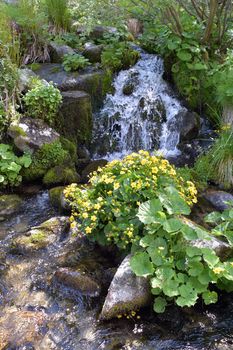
88	229
93	218
73	224
143	161
97	206
85	215
218	270
116	185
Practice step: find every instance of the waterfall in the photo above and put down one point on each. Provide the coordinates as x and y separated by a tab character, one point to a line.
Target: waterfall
141	114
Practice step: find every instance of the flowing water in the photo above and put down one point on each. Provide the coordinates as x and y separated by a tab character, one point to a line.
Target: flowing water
37	313
140	114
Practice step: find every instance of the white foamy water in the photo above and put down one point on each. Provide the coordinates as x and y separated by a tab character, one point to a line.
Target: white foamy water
145	119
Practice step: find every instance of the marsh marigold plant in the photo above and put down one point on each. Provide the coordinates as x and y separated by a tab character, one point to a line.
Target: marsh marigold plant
107	210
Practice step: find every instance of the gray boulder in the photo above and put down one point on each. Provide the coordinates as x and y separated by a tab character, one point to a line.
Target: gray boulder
93	52
127	292
218	199
94	82
25	76
79	281
98	32
57	52
9	205
31	134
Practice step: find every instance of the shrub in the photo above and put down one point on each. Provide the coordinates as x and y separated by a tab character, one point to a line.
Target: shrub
108	208
73	62
43	101
11	165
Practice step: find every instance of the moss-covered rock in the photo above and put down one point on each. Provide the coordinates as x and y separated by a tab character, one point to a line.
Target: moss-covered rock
9	205
92	166
75	116
47	157
58	199
40	237
61	174
70	147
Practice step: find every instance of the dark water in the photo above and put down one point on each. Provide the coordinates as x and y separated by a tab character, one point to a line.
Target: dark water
37	313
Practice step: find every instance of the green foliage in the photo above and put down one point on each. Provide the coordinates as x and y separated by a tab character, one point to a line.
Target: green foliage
180	270
108	208
11	165
49	156
43	101
73	62
58	14
30	30
118	55
70	39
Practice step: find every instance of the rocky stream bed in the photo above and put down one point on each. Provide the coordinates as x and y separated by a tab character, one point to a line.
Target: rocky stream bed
45	306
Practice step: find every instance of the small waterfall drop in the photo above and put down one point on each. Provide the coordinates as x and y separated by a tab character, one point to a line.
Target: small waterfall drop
141	114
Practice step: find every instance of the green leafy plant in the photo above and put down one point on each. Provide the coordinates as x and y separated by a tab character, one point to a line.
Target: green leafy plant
73	62
180	269
107	209
11	166
118	55
43	101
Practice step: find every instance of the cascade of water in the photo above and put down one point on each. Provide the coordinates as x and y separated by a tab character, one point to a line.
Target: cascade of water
141	114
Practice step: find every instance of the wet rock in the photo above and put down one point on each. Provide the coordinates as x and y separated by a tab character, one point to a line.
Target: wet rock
75	116
127	292
61	174
20	327
25	76
222	249
9	205
58	199
95	82
3	263
188	124
78	281
31	134
83	153
57	52
218	199
93	52
92	166
40	237
131	83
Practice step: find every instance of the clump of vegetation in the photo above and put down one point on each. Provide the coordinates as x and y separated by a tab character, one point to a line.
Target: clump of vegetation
50	155
108	208
43	101
118	55
58	15
11	166
74	62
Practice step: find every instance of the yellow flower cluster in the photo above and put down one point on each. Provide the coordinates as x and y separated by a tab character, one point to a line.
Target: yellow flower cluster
116	191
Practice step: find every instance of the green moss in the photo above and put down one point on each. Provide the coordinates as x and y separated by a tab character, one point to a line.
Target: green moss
70	147
34	66
55	195
50	155
61	175
37	237
107	82
16	130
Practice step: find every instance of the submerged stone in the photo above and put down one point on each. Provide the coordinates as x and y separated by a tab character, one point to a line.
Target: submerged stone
127	292
78	281
40	237
9	205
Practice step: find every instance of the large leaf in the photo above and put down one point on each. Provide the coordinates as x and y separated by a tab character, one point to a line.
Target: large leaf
141	264
210	297
148	212
172	225
184	55
173	202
